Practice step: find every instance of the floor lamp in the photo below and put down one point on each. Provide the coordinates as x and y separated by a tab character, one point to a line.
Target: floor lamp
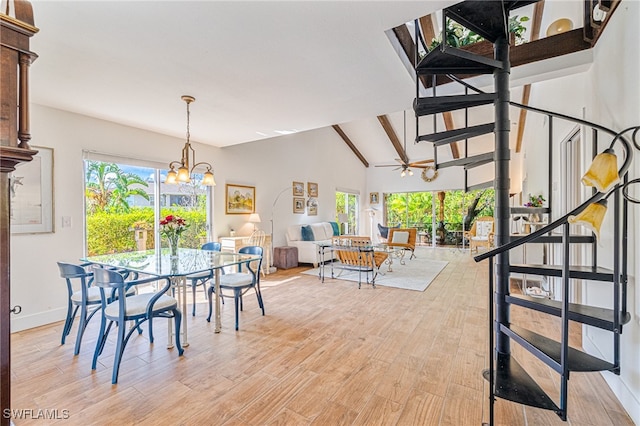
273	207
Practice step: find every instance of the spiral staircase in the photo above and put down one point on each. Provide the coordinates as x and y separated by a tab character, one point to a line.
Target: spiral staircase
508	379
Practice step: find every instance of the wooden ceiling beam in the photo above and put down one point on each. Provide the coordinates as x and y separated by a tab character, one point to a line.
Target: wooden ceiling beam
536	22
391	134
350	144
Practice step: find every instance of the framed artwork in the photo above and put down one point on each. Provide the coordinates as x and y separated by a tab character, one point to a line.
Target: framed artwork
31	194
298	189
374	198
298	205
313	210
240	199
312	189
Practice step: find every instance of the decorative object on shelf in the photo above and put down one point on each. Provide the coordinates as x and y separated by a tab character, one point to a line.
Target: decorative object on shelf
185	171
254	218
172	227
429	173
298	205
240	199
559	26
535	201
374	198
312	189
298	189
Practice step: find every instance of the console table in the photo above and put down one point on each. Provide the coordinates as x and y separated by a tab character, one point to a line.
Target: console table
233	244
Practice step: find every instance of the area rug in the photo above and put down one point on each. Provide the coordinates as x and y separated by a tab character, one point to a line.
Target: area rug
415	274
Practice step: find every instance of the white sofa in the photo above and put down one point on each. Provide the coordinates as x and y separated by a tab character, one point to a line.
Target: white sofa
308	250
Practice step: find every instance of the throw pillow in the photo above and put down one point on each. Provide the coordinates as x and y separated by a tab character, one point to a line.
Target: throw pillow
400	237
336	228
307	233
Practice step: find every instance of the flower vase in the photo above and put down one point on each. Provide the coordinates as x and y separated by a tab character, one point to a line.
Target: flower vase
173	246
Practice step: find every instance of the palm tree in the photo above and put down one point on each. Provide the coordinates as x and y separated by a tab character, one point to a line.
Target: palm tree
108	187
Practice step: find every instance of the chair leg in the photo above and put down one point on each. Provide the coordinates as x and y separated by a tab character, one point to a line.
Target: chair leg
81	327
194	284
119	350
260	302
177	316
210	297
237	301
101	341
68	323
151	330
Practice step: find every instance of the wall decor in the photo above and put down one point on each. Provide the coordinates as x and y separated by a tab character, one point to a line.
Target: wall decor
298	189
240	199
312	210
312	189
31	194
374	198
298	205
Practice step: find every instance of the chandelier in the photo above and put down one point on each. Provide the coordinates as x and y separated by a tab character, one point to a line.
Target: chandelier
188	153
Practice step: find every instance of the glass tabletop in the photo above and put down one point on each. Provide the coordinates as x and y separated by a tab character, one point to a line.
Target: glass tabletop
161	263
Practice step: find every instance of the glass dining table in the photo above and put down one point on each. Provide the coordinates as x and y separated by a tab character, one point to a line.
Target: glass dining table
162	264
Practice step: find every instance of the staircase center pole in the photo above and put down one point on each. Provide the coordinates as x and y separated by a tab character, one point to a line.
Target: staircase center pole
502	185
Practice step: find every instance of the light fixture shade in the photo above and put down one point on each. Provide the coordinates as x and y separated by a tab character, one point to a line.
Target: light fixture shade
171	177
591	217
254	218
410	172
208	179
403	173
343	218
183	174
603	172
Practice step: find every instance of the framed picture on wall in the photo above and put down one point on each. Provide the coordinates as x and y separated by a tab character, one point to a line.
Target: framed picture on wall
240	199
312	210
312	189
298	189
31	194
298	205
374	198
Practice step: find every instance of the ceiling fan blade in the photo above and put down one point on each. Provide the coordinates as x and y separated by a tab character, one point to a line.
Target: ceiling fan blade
413	163
386	165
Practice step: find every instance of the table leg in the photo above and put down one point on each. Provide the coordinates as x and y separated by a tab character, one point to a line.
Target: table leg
217	291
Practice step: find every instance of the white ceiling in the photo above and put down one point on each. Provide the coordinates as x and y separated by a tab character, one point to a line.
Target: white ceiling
255	68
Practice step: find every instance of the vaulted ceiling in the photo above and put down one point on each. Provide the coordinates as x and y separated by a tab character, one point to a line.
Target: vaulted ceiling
257	69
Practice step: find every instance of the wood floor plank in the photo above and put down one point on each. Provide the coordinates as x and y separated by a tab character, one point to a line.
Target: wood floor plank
324	354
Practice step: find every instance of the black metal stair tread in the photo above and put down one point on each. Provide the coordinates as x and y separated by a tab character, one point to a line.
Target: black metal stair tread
468	162
575	271
513	383
557	239
584	314
442	138
483	185
548	350
484	17
436	104
456	61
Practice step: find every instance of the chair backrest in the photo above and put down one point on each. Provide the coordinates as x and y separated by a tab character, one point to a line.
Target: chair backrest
483	226
255	250
384	231
213	246
69	272
257	238
404	237
108	279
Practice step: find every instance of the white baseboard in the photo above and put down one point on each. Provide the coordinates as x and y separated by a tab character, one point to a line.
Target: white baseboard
24	322
620	389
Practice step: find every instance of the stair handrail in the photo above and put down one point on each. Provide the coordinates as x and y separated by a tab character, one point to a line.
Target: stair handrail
595	197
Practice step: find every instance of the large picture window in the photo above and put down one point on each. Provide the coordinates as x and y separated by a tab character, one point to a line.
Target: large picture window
124	202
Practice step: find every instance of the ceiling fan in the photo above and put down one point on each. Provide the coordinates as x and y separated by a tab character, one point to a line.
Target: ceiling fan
406	165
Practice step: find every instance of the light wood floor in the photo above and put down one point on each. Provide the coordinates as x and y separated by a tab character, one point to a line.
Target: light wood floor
325	354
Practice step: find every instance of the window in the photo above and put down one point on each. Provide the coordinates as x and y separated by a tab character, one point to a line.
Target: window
348	203
121	213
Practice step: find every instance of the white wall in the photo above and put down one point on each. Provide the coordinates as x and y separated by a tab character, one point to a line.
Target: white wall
607	94
318	156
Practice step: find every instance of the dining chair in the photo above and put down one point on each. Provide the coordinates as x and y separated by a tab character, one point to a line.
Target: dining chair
138	308
201	278
81	296
239	283
258	238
